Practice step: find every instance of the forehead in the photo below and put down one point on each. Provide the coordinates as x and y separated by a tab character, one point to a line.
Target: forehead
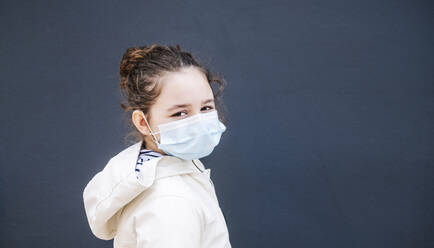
188	86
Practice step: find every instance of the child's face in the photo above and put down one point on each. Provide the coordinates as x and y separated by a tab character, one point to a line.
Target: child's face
183	94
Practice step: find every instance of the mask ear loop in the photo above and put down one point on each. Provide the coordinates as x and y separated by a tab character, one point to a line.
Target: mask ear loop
152	133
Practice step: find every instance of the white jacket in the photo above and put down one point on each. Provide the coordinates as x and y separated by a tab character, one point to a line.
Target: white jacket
173	205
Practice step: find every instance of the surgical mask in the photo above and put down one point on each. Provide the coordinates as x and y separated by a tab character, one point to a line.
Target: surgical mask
190	138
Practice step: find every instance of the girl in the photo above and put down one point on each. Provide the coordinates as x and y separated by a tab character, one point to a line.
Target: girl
156	193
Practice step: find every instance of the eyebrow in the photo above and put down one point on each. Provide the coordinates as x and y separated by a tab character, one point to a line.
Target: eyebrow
186	105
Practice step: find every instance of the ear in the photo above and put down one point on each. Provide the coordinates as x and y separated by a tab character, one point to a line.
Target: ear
139	122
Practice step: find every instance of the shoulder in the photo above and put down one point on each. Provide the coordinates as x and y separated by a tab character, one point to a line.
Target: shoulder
173	190
169	221
177	187
170	209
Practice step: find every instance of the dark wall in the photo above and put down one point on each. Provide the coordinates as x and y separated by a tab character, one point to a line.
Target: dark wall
330	108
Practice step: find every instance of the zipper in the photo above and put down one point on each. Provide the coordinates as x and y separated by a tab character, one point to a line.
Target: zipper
201	171
212	188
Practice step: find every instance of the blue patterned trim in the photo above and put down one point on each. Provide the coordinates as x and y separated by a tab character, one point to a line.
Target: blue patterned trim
144	156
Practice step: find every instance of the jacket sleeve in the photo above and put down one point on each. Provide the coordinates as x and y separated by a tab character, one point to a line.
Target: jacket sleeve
107	193
169	221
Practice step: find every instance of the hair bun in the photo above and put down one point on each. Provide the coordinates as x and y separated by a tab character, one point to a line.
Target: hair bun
131	58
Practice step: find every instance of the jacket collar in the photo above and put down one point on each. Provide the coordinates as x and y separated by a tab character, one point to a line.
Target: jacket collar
156	168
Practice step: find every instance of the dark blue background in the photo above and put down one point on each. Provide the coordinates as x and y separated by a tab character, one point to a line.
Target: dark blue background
330	109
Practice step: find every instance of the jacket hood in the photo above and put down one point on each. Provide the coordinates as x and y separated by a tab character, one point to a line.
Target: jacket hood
117	185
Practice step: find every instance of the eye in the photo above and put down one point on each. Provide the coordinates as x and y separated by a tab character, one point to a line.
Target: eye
210	107
178	114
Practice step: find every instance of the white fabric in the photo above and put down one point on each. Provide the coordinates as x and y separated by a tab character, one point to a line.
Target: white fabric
145	155
173	204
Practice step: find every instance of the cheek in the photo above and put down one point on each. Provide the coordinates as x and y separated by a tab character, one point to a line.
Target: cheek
157	121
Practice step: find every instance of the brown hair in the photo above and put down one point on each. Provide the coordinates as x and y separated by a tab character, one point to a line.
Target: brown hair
140	69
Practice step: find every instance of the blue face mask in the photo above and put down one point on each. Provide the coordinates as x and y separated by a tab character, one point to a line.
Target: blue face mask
190	138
